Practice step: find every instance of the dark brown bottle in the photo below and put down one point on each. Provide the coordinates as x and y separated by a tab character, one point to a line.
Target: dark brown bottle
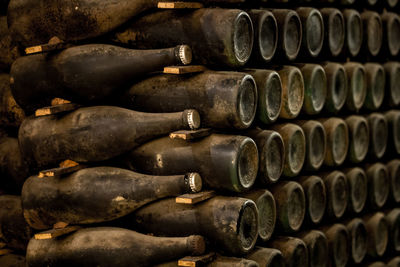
269	88
393	220
86	247
391	33
95	133
294	251
221	37
337	87
338	237
358	238
293	91
315	136
97	194
229	223
376	79
290	206
393	121
223	99
86	73
378	234
392	96
337	137
378	129
266	257
357	86
334	31
337	194
358	138
373	32
223	161
295	147
15	232
317	247
271	151
265	36
315	193
266	207
8	48
358	189
378	185
315	88
289	33
11	114
313	31
354	31
393	168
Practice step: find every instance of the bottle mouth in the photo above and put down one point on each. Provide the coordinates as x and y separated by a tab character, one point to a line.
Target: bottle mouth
360	139
394	227
292	35
294	93
374	27
378	87
381	235
247	101
192	118
381	184
339	89
393	33
316	201
267	36
392	3
339	194
354	33
247	163
379	129
271	100
394	170
196	244
276	259
185	54
336	33
295	207
317	146
393	72
315	32
340	143
318	91
297	257
358	189
296	151
340	247
358	88
396	131
358	234
248	226
243	37
266	215
274	157
318	250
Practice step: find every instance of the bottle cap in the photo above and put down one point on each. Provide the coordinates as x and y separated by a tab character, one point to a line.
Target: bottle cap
194	182
185	54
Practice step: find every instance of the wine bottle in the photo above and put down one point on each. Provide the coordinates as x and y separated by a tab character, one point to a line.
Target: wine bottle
97	194
358	239
11	114
393	168
219	37
338	237
358	189
378	234
315	193
219	261
375	74
313	31
354	31
334	31
317	247
373	32
337	193
223	99
393	220
87	73
393	120
110	246
379	132
358	138
229	223
357	86
337	87
223	161
294	251
95	133
378	185
267	257
393	262
337	137
392	96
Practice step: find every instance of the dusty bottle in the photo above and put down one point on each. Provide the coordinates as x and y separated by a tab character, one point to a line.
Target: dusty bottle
358	138
392	96
354	31
334	31
269	88
358	238
338	237
315	193
229	223
393	121
124	248
292	91
15	232
294	251
13	260
223	161
317	247
376	79
222	37
295	147
267	257
8	48
378	130
337	137
313	31
219	261
265	36
391	33
315	136
337	193
13	167
290	206
85	134
86	73
289	33
266	207
357	86
203	92
97	194
315	88
378	234
358	189
11	114
393	220
378	185
271	151
337	87
393	168
373	32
